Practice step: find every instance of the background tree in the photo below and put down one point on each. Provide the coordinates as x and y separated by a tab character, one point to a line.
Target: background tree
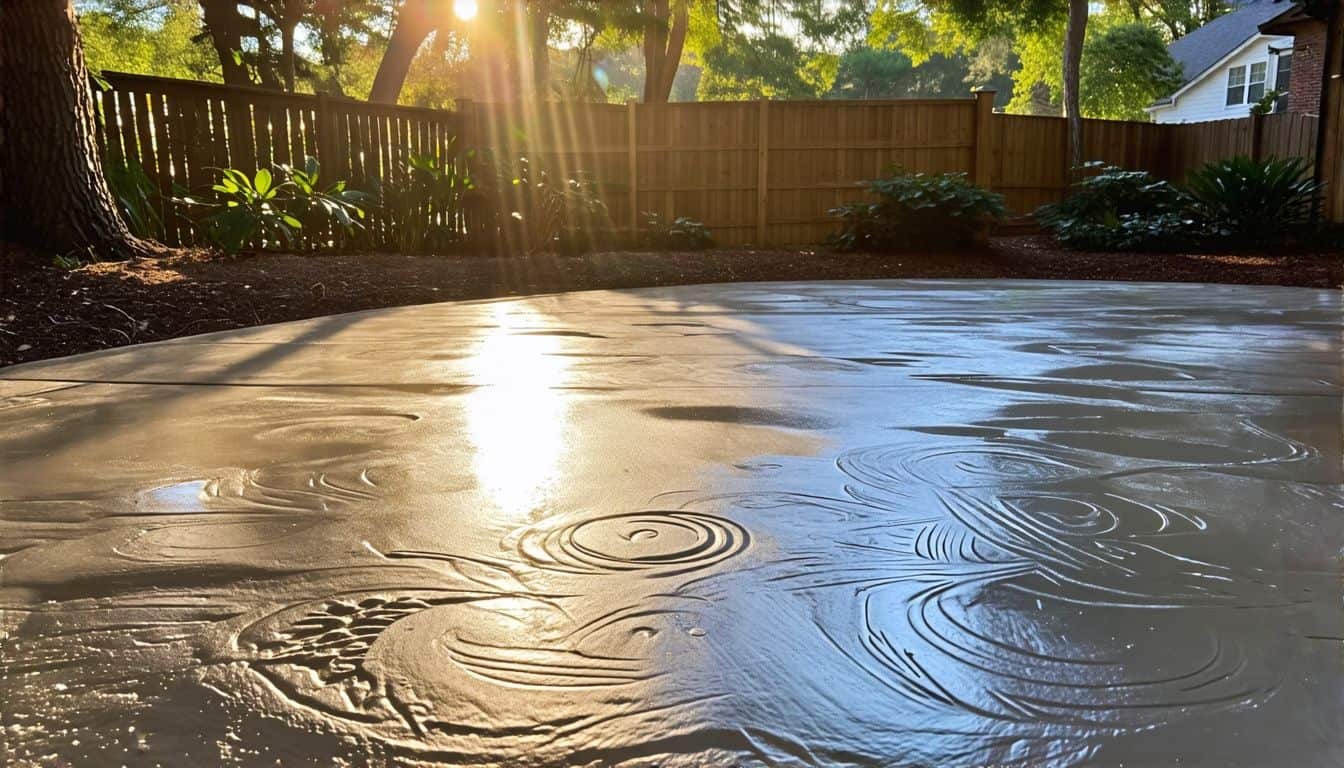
55	194
877	73
665	28
773	48
415	21
151	39
1125	68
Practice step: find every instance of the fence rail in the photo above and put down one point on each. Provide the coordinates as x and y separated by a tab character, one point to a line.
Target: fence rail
761	173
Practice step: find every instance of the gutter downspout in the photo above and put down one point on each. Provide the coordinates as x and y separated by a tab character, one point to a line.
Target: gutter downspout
1332	35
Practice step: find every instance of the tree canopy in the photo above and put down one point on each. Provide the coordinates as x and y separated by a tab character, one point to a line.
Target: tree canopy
419	52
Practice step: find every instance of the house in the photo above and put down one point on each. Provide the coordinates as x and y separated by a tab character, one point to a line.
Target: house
1229	65
1306	21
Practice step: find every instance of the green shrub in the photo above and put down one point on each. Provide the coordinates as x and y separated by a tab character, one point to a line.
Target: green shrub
1245	201
137	197
1232	202
316	207
682	234
424	200
549	212
243	210
270	209
1115	209
916	211
520	206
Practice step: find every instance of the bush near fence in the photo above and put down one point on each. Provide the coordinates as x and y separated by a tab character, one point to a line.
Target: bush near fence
761	173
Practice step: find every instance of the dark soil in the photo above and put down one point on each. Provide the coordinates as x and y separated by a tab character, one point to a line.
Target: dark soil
49	312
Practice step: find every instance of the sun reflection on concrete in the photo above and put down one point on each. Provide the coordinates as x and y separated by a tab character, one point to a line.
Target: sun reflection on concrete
516	416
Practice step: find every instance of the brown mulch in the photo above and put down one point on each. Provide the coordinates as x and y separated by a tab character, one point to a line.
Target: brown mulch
49	312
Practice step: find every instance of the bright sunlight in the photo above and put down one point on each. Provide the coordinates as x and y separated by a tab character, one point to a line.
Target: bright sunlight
465	9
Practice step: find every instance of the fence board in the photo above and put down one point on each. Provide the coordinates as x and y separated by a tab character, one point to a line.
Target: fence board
752	174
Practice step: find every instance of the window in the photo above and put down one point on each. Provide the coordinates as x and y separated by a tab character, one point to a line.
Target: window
1283	80
1256	90
1242	89
1236	86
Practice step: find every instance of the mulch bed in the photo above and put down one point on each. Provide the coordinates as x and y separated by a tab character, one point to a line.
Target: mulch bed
49	312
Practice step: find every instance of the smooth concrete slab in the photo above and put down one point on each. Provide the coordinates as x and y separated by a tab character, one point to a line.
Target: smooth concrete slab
942	523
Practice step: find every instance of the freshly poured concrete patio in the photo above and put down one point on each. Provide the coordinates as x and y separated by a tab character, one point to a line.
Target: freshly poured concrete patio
893	523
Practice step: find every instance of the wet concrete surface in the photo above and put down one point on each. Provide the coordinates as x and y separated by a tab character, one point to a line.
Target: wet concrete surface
894	523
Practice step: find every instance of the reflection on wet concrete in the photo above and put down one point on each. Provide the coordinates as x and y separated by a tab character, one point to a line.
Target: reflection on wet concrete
924	523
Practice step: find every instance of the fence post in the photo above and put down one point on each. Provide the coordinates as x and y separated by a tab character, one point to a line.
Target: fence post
466	128
984	139
326	137
762	170
1257	134
632	159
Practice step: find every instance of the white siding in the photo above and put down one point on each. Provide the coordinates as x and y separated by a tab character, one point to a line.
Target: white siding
1206	98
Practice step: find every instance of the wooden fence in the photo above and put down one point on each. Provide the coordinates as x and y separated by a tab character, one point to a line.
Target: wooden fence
1279	135
761	173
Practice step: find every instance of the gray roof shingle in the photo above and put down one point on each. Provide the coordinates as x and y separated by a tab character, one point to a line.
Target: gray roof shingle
1205	46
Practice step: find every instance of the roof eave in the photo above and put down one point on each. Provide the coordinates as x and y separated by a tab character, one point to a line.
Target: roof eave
1218	64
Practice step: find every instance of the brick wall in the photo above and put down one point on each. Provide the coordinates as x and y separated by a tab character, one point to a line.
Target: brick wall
1304	94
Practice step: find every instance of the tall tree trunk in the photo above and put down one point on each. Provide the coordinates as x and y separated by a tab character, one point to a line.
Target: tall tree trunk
290	17
664	40
1074	35
655	47
55	196
225	26
413	25
287	56
676	42
539	52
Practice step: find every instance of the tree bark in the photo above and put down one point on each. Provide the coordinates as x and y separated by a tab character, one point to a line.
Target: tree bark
225	26
287	57
664	41
1074	34
538	38
55	195
413	25
676	42
290	17
655	47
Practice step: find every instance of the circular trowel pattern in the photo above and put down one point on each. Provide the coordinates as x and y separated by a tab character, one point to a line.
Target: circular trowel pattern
657	543
936	523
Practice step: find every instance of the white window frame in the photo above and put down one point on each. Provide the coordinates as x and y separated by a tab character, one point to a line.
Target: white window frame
1251	82
1243	70
1246	83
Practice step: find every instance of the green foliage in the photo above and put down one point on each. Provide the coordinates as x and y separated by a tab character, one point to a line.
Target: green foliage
782	49
1266	103
768	67
1114	210
152	38
316	207
243	210
1231	202
270	209
137	197
424	200
531	208
918	211
562	213
873	73
67	261
1248	201
1125	68
682	234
